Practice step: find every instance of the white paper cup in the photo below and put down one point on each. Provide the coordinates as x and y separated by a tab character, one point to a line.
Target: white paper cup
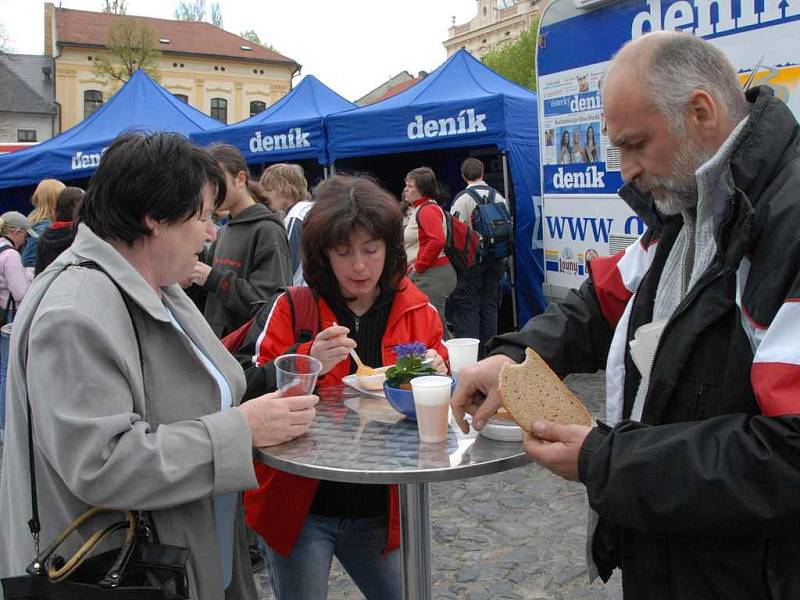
432	403
296	374
463	352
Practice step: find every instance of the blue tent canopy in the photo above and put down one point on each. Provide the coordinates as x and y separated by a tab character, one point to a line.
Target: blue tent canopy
290	129
463	103
141	104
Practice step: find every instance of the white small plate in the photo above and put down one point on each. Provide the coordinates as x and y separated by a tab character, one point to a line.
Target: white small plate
500	431
352	381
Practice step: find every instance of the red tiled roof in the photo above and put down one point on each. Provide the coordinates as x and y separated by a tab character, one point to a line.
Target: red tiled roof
400	87
89	28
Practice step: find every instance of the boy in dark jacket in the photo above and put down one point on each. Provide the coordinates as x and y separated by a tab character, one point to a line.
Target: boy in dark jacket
249	263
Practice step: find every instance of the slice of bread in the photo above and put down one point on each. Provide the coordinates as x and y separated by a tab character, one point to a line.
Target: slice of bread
532	391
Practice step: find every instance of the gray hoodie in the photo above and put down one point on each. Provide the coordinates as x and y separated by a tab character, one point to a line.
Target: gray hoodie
249	264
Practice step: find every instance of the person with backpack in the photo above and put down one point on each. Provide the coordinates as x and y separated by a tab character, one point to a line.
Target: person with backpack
425	238
476	298
14	277
249	262
355	264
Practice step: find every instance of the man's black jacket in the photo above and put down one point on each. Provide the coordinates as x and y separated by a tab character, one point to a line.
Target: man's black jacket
702	498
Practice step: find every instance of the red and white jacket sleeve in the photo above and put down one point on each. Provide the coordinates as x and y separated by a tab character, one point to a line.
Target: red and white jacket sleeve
775	375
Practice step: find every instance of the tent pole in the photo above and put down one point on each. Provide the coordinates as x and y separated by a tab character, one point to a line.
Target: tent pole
511	272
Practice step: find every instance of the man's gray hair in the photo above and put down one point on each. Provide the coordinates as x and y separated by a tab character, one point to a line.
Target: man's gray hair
681	64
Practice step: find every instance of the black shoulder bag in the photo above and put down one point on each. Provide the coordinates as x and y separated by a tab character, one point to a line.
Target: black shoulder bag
141	569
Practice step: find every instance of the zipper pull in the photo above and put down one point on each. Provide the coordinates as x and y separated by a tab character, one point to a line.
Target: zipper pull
357	321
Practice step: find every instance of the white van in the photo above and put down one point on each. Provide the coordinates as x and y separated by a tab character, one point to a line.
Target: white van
581	215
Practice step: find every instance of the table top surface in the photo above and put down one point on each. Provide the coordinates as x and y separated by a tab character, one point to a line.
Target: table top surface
361	439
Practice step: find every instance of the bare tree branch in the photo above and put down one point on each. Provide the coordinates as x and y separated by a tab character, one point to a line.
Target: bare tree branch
131	46
116	7
190	10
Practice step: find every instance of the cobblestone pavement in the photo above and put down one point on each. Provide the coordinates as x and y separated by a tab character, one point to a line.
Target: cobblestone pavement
519	534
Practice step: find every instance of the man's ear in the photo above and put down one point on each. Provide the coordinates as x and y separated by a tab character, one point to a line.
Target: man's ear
152	225
705	115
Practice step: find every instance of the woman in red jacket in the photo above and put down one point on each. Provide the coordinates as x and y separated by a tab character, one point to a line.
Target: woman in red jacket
353	259
424	235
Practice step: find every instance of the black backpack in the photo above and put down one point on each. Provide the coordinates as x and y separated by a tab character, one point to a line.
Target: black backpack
492	221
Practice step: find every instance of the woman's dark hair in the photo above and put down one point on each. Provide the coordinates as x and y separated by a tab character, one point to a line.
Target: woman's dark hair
68	203
160	175
343	205
588	129
425	180
232	161
566	138
442	195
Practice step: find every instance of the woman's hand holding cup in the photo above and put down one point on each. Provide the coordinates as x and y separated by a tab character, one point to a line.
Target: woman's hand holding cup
274	419
331	346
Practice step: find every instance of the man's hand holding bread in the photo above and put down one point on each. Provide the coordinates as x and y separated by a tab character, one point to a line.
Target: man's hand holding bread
555	422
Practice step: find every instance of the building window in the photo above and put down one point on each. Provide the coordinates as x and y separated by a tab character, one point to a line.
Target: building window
92	100
183	98
257	106
219	109
26	135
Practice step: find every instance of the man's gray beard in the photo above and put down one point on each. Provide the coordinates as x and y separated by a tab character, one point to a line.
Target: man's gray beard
677	193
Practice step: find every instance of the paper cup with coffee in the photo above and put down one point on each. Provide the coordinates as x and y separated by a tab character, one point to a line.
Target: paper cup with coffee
432	402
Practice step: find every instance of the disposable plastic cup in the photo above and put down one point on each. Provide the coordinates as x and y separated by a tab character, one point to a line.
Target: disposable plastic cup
296	374
432	402
463	352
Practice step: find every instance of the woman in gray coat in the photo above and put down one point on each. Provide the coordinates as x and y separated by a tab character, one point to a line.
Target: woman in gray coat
149	425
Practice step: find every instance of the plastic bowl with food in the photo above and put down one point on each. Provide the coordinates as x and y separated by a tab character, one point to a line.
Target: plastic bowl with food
374	381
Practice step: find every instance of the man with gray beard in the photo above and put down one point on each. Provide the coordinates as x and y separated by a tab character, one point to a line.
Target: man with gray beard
695	480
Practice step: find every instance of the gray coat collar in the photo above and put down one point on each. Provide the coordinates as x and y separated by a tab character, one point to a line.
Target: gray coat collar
88	246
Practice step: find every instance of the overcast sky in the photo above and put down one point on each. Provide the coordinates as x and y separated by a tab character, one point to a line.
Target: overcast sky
350	45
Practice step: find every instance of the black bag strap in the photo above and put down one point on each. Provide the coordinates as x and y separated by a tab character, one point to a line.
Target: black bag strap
303	304
34	524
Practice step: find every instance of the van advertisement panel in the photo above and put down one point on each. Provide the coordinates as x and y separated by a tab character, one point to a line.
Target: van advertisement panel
578	229
577	157
581	169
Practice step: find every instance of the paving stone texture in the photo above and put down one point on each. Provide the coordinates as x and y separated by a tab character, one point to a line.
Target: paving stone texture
516	535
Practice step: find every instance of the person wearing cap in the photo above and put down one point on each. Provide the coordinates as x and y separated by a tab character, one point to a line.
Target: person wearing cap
14	277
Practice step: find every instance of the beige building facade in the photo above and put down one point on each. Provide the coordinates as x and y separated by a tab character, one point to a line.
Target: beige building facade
498	22
217	72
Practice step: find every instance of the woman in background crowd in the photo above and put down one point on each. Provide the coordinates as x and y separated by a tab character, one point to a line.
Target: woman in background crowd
287	190
425	235
44	212
249	263
58	237
133	400
355	263
14	277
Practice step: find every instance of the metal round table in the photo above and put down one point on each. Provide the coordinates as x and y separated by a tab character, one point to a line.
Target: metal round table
360	439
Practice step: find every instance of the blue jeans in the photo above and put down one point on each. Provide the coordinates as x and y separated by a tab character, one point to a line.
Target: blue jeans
475	302
357	543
